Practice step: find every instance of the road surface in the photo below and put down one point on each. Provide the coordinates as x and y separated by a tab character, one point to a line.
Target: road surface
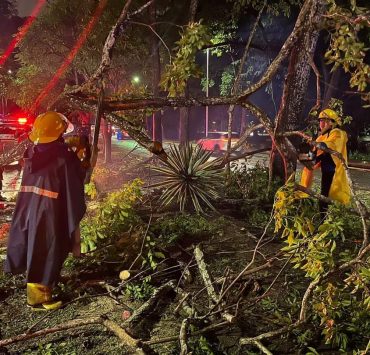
129	148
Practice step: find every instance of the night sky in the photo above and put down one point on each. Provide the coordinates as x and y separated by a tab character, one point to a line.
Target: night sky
25	7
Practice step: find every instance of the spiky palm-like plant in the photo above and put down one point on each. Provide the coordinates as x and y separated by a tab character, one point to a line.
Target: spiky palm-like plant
188	176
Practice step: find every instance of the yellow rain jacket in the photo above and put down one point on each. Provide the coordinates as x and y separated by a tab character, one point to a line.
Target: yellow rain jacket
339	189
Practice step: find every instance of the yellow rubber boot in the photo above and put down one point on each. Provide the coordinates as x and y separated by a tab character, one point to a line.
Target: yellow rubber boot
39	298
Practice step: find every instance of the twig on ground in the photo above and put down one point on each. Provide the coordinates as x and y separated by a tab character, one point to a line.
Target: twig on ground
185	271
142	244
248	265
77	323
183	337
186	296
214	298
267	335
132	324
208	329
262	347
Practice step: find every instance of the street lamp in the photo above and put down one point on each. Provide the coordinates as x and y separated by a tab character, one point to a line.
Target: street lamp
136	79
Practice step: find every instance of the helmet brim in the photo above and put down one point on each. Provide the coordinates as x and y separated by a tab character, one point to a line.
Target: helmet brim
36	139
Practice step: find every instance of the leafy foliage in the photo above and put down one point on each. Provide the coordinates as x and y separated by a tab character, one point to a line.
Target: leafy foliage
183	67
359	156
249	185
337	106
247	182
51	39
111	217
140	291
227	80
346	47
90	190
275	8
317	245
190	177
152	254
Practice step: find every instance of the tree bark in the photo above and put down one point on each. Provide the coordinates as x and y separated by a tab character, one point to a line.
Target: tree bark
184	125
291	108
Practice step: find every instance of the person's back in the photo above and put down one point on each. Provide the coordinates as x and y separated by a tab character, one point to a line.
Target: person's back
49	208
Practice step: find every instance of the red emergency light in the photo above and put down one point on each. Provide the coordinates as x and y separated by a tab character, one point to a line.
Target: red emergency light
22	120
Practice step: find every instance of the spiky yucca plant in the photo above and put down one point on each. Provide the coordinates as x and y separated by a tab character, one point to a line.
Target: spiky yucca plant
189	176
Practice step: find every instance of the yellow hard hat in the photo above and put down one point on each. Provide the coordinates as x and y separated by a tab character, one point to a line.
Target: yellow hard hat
48	127
331	115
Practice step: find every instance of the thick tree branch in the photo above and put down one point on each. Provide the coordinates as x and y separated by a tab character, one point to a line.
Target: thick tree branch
244	138
141	9
114	105
193	10
268	335
77	323
214	297
183	337
107	49
318	90
246	154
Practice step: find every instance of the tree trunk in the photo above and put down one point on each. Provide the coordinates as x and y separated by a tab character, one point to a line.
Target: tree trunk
243	121
107	136
184	125
291	108
156	67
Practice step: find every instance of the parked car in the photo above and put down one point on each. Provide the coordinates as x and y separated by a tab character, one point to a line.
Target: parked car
14	128
364	140
259	139
121	135
217	141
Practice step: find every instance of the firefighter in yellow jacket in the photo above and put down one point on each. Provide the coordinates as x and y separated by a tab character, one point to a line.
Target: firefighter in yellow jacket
334	183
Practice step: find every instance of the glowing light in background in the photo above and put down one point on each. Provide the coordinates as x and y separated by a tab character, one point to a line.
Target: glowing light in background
79	43
136	79
22	120
22	32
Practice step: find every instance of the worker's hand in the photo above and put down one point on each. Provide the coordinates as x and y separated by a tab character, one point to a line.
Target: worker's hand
309	164
304	157
322	146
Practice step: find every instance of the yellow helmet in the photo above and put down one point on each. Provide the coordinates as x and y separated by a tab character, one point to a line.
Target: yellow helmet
331	115
48	127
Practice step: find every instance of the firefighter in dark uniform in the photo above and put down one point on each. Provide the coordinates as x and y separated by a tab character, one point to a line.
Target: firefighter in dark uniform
334	182
49	208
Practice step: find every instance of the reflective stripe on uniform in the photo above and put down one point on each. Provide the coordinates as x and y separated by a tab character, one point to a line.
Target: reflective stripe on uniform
39	191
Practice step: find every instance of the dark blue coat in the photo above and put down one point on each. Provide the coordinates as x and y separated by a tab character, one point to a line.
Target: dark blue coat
49	208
